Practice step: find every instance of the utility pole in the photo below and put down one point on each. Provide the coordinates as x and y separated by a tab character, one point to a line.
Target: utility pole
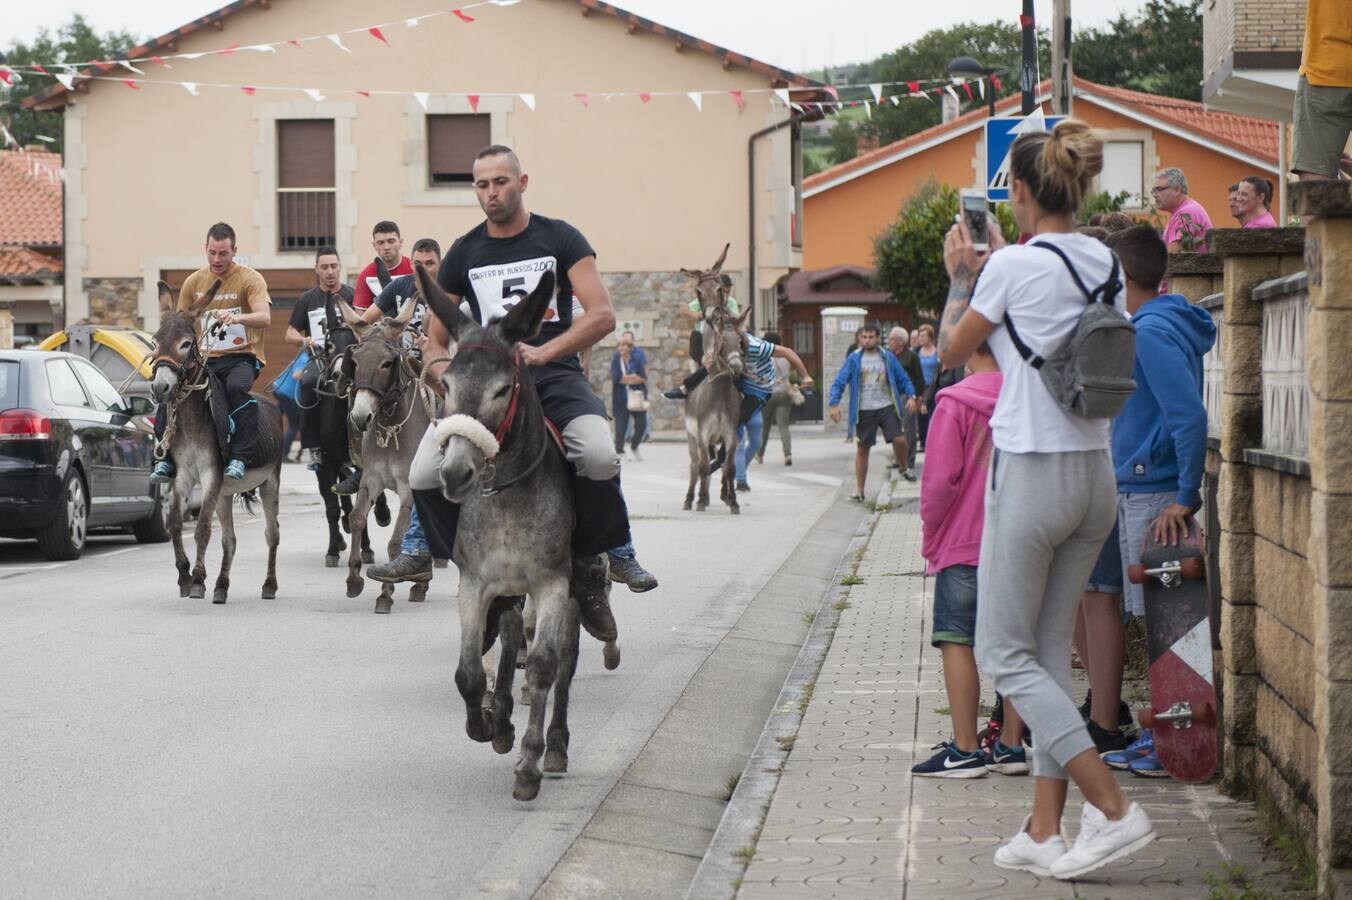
1062	85
1028	74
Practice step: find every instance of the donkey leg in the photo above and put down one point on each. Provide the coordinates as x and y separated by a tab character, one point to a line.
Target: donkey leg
357	527
225	513
704	473
211	495
177	501
333	512
509	636
401	521
271	493
556	743
542	669
470	678
528	638
693	447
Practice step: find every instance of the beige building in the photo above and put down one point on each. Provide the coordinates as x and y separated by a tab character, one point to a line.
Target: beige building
1251	56
654	185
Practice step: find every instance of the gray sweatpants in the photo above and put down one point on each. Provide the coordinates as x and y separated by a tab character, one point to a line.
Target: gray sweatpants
1047	516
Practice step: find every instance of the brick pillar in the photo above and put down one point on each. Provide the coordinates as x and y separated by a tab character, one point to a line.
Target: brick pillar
1249	257
1194	275
1328	349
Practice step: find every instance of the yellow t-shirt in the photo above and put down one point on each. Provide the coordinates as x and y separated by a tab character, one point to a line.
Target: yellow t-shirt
242	290
1327	57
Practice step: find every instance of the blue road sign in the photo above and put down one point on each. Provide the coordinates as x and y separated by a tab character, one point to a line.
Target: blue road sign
1001	132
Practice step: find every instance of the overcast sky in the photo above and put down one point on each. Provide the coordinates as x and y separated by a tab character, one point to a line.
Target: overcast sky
794	34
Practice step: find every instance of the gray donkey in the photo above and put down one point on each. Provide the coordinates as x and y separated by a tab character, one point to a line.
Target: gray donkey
514	537
181	384
714	406
392	412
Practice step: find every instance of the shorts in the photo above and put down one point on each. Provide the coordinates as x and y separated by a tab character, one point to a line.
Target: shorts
954	606
870	420
1323	121
1135	513
1107	575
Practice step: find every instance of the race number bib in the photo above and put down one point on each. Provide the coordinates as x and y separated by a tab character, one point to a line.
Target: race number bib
498	288
317	333
218	338
374	286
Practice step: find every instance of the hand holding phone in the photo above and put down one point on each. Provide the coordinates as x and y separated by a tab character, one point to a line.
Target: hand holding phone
973	204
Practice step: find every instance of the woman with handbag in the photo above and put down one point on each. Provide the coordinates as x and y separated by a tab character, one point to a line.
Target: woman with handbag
629	394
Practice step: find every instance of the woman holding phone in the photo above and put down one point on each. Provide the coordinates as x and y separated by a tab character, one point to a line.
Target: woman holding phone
1050	493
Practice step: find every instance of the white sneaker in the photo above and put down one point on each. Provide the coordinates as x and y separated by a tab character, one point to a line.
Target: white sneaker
636	455
1027	855
1101	841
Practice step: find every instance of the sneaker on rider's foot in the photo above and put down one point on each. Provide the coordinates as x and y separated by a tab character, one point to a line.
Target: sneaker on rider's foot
1027	855
1106	741
627	571
350	484
235	469
676	393
1102	840
1141	747
1148	766
950	762
1004	760
315	460
590	589
404	567
163	473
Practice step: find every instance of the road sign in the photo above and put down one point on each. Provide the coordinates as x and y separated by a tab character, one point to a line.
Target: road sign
1001	132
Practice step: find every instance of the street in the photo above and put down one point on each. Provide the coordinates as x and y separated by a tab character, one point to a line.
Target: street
302	746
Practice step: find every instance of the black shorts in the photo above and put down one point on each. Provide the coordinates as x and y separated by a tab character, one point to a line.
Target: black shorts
565	393
870	420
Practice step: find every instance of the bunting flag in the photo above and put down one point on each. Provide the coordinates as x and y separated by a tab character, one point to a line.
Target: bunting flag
1025	21
696	98
981	88
7	75
644	97
833	91
868	109
783	95
130	68
155	59
968	88
37	67
582	98
375	32
913	87
249	89
190	87
337	42
421	97
529	100
315	95
739	98
473	102
131	84
877	90
67	81
462	15
363	94
9	138
411	23
995	83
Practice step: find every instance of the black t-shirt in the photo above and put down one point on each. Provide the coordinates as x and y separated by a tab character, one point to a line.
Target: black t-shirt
395	294
308	316
493	274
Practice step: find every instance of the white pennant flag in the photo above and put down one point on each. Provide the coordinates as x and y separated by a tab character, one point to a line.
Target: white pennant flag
877	92
504	2
696	98
190	87
783	95
411	23
314	95
129	67
337	42
421	97
896	100
868	109
191	55
262	48
948	89
67	81
9	138
981	86
529	100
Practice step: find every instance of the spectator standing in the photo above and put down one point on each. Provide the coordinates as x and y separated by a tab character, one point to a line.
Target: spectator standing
642	357
1188	221
877	387
1232	198
628	395
928	354
1254	197
898	341
779	408
1323	107
389	246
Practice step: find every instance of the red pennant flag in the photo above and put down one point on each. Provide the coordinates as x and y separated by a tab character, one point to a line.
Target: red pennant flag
968	88
913	87
645	97
364	93
131	84
376	33
160	61
581	98
831	89
37	67
1025	21
249	90
6	75
739	98
473	101
296	44
462	15
228	51
995	83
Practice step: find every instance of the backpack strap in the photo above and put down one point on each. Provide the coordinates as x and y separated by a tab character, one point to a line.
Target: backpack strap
1104	293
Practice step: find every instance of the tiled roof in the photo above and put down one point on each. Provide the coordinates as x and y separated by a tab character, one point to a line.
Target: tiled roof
812	286
22	262
30	198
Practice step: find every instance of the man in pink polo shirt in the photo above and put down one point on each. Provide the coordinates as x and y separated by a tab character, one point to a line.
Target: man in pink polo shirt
1254	200
1188	221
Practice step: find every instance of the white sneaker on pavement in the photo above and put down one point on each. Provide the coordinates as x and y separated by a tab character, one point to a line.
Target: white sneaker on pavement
1027	855
1101	841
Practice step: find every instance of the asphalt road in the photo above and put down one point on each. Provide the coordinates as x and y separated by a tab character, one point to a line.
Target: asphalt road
154	746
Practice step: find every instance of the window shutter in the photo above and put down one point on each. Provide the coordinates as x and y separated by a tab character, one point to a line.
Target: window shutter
305	153
452	142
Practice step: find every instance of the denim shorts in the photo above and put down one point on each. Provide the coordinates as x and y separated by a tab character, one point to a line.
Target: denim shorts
1135	514
954	606
1107	575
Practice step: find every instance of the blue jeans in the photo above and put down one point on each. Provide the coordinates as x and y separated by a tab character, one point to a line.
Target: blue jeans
748	443
414	542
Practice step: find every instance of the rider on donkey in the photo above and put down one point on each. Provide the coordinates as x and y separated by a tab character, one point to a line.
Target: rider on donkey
242	310
492	268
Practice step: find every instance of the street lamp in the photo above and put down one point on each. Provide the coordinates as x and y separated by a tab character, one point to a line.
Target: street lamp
966	66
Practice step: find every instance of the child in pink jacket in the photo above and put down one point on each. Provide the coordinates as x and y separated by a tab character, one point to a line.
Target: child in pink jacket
952	509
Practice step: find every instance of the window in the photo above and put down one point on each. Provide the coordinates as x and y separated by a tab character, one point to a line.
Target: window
1124	170
452	142
305	184
9	384
63	386
805	338
104	395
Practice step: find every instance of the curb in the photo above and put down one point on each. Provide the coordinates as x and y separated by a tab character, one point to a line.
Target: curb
720	870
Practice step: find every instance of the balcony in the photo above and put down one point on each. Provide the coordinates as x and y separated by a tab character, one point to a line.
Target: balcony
1251	51
306	218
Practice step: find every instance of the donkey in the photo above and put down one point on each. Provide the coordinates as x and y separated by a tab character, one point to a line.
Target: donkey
514	535
181	383
714	406
391	412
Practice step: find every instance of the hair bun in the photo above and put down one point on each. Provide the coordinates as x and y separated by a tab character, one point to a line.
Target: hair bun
1075	149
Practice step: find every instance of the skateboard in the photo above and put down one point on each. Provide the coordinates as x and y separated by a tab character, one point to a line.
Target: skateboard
1182	710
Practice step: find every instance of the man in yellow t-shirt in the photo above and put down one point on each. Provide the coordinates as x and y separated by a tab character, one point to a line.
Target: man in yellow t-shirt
1323	108
242	311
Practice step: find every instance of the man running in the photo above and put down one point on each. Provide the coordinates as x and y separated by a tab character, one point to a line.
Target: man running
491	269
877	385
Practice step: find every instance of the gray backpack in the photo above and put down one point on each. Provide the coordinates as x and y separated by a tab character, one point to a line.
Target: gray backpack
1089	374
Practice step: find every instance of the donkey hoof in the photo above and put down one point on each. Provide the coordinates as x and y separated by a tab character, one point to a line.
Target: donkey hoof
218	595
417	593
526	787
183	590
687	505
355	585
383	605
368	557
269	592
331	561
480	727
610	655
197	591
736	510
556	761
701	506
504	740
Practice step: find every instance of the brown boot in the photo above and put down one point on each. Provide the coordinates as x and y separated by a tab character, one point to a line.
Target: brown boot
590	587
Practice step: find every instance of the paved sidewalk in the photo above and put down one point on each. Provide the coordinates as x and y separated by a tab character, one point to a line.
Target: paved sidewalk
848	820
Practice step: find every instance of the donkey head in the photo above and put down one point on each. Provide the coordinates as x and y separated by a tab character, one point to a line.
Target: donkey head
483	383
176	341
376	364
709	287
725	339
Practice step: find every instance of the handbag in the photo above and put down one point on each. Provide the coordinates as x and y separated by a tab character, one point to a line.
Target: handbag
635	400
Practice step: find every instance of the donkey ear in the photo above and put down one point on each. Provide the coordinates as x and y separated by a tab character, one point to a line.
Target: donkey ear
440	302
406	313
168	302
522	321
741	320
200	306
718	266
353	318
690	273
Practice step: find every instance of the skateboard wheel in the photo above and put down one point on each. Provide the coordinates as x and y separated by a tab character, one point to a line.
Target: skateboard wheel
1190	567
1204	714
1146	717
1136	573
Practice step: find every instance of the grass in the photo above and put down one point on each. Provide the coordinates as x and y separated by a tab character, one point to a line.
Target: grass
745	854
786	741
850	580
806	697
1232	882
730	786
942	710
841	605
809	617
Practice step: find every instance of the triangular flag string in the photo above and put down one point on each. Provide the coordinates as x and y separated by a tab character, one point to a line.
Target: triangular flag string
696	98
528	99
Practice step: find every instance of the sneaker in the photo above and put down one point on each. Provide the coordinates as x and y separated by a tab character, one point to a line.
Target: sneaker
404	567
1101	841
856	498
760	458
1144	745
1148	766
1124	717
163	473
676	393
315	460
635	455
950	762
908	475
1004	760
350	484
1027	855
1106	741
235	469
590	589
743	486
990	734
788	460
627	570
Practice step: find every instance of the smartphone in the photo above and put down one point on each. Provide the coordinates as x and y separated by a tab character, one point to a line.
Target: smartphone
974	214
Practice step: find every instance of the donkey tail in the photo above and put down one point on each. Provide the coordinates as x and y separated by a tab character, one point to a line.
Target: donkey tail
250	500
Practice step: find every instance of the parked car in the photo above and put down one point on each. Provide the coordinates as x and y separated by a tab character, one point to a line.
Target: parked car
116	351
75	455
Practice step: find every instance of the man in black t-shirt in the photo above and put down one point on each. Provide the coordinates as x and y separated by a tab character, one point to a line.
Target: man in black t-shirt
311	320
489	270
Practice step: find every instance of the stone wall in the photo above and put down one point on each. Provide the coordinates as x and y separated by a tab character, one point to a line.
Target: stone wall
114	301
6	326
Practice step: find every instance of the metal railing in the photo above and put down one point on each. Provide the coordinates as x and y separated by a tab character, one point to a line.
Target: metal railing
1286	390
1213	366
306	218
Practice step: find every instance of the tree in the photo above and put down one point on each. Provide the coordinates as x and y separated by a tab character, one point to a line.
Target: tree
844	141
909	254
1158	52
75	42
